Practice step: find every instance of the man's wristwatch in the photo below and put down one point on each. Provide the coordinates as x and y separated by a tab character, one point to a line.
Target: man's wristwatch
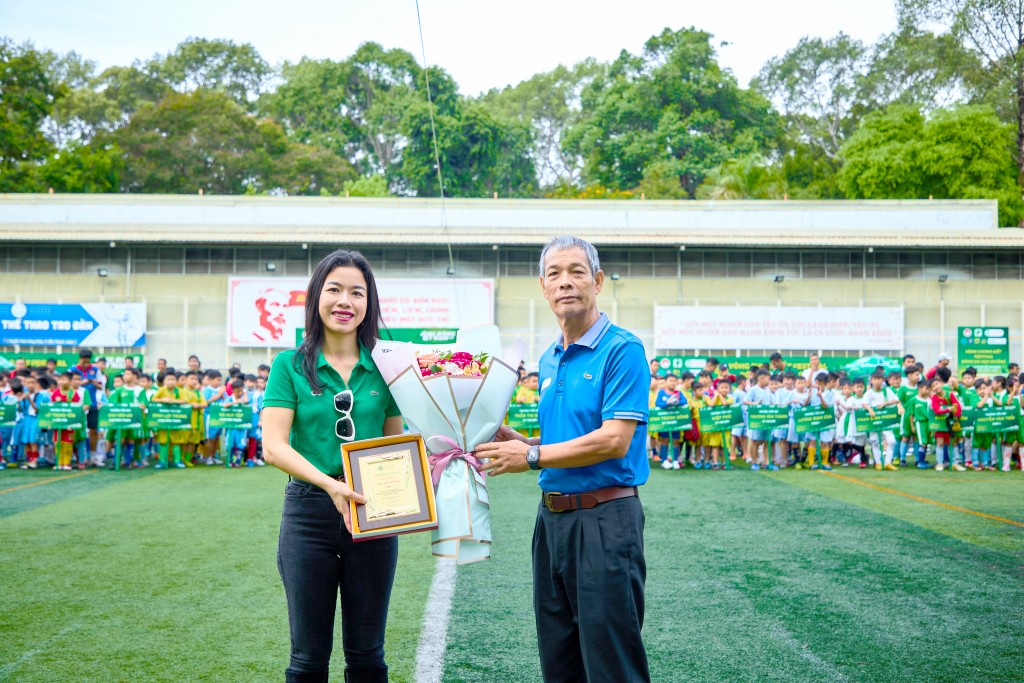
533	457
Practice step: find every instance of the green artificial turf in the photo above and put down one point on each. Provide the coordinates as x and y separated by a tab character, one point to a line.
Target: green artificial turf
788	576
792	576
170	576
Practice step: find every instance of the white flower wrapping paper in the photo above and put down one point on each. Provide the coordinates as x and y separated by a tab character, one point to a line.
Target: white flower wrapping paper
455	414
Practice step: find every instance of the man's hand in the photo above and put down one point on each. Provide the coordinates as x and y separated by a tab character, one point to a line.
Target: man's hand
505	457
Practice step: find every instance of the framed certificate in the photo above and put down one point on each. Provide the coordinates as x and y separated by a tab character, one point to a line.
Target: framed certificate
393	475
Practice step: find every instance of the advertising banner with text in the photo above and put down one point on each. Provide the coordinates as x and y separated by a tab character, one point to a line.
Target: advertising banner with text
778	327
270	311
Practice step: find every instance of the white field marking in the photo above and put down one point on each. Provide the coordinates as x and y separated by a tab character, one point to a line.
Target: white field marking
43	647
782	634
434	636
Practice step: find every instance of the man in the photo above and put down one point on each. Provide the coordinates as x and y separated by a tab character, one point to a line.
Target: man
90	375
778	365
815	367
161	365
944	360
655	367
588	561
129	363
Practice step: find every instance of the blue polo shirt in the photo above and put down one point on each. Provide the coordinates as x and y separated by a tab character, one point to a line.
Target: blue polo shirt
603	376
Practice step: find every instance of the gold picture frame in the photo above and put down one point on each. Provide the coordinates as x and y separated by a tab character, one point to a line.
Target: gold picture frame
393	474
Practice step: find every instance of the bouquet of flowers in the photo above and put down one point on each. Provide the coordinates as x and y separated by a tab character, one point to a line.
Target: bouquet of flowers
456	397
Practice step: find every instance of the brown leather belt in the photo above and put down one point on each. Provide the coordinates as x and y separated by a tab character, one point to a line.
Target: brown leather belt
566	502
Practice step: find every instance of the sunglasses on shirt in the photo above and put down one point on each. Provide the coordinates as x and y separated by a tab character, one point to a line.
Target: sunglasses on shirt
344	428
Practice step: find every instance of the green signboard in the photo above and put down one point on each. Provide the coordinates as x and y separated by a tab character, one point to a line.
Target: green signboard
814	419
8	412
996	419
985	348
767	417
65	361
885	420
669	420
61	416
524	416
720	418
740	365
232	417
120	416
169	416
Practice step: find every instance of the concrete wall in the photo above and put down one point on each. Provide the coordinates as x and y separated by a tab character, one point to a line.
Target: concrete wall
187	312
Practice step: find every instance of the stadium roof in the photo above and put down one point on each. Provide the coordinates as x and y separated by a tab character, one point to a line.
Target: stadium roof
238	220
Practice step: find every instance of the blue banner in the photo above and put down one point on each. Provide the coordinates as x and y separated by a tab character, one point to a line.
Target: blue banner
118	325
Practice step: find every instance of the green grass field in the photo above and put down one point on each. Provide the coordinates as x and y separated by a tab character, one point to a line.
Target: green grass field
795	576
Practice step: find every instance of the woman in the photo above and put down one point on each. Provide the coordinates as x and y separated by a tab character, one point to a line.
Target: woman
323	393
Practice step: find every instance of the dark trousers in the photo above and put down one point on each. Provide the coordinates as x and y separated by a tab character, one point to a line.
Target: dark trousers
588	593
318	560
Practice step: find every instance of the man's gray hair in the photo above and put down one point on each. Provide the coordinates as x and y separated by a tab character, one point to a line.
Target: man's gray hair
570	242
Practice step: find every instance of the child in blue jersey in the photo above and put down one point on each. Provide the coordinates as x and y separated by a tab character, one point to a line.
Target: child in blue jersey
759	395
670	398
212	393
818	442
739	434
237	439
256	433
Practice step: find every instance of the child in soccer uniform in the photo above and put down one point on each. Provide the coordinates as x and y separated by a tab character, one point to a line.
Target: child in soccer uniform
855	405
922	411
670	398
237	438
880	396
944	406
759	395
255	452
906	393
818	443
170	440
1012	437
693	395
195	434
714	442
212	393
800	398
652	402
740	433
984	453
132	394
64	439
28	427
968	397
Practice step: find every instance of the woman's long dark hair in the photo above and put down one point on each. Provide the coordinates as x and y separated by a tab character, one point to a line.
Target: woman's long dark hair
368	332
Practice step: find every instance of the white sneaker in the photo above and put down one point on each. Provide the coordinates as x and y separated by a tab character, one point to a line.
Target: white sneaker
666	464
260	462
958	467
676	465
939	468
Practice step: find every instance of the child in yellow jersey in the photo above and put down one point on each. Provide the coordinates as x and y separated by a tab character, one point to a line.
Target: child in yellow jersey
171	439
714	442
691	437
195	435
528	392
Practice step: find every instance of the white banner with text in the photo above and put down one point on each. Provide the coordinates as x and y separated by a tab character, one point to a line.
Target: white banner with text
778	327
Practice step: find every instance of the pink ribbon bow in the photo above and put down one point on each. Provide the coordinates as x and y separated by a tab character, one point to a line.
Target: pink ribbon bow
439	461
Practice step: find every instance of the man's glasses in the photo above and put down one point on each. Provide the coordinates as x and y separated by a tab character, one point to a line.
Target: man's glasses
344	428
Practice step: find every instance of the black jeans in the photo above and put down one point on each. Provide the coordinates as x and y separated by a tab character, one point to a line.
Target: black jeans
318	559
588	593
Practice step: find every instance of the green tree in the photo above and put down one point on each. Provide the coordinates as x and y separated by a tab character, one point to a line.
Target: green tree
27	98
374	186
550	103
747	177
354	108
480	154
200	63
94	168
964	152
671	103
205	140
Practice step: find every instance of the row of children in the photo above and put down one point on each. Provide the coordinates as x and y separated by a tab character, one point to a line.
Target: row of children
26	445
920	403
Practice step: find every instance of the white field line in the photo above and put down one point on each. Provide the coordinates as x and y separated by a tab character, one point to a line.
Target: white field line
434	636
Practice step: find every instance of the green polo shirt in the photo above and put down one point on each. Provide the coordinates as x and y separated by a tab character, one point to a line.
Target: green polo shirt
313	424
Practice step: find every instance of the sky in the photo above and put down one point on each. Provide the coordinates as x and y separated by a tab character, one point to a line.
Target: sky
482	44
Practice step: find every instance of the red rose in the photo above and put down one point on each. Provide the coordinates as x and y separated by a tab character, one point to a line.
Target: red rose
462	359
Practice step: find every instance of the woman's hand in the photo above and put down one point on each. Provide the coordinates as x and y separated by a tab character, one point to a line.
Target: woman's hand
506	433
341	494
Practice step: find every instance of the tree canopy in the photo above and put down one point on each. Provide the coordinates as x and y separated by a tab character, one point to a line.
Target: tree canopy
935	108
